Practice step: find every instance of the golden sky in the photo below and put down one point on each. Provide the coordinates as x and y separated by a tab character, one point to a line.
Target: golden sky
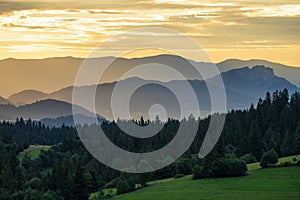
243	29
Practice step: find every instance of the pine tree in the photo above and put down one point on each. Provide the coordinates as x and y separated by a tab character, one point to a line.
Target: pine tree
255	140
80	188
270	139
297	139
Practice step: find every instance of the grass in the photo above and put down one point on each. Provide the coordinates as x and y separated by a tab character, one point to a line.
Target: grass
160	181
33	151
255	166
265	184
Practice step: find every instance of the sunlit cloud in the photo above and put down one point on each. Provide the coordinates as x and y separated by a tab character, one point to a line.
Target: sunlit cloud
58	28
194	2
272	11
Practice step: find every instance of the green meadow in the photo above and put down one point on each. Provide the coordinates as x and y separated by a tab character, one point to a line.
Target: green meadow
33	151
263	184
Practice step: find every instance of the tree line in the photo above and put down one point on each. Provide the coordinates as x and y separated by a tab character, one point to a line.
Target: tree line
69	171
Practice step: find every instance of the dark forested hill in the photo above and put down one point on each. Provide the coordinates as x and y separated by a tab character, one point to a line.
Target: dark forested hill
40	109
68	171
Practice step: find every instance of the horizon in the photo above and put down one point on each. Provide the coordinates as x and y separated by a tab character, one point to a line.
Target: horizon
149	56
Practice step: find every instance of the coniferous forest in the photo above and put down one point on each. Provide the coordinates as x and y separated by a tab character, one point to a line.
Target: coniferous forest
68	171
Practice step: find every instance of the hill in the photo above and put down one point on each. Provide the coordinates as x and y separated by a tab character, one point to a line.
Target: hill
288	72
273	183
4	101
27	97
41	109
51	74
243	86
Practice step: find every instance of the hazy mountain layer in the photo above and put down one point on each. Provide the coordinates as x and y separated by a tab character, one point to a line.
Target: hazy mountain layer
243	87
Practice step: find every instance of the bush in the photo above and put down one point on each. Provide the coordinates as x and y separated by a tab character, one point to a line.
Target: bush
285	164
123	187
200	172
248	158
224	167
179	175
184	166
269	158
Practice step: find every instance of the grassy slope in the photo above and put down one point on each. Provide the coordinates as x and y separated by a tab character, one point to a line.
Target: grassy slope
255	166
273	183
266	184
33	151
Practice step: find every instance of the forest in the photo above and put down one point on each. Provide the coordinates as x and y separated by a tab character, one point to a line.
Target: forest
68	171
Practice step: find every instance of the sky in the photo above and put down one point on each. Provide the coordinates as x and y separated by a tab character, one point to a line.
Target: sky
244	29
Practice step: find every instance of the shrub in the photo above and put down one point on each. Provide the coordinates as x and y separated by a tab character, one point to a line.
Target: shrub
200	172
179	175
184	166
269	158
123	187
285	164
224	167
248	158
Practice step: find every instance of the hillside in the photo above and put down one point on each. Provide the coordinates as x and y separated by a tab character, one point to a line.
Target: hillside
243	86
288	72
273	183
3	101
41	109
26	97
51	74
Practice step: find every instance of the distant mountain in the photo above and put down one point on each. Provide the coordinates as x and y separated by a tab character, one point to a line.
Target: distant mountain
46	74
246	85
41	109
51	74
27	97
290	73
4	101
4	117
243	87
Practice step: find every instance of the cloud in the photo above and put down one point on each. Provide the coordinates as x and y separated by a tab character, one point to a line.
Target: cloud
272	11
76	27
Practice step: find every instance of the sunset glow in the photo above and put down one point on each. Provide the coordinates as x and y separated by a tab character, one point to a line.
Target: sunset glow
237	29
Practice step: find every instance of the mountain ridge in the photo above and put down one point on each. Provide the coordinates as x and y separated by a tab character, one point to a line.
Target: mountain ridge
4	101
243	86
51	74
48	108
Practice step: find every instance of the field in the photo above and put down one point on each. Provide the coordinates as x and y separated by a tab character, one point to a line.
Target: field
255	166
33	151
264	184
